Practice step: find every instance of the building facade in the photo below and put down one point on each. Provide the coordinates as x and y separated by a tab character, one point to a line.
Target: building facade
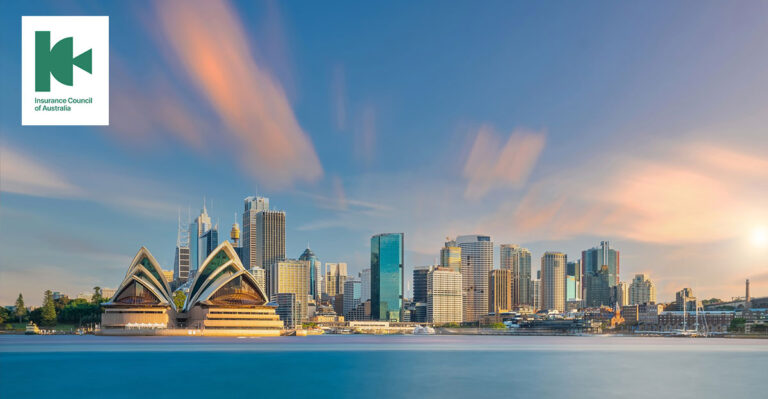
553	281
387	262
444	296
603	264
315	274
252	205
642	290
291	276
450	256
335	276
420	283
270	238
352	296
365	285
476	263
500	291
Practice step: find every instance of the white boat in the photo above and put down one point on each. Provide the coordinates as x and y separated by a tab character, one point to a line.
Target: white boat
423	330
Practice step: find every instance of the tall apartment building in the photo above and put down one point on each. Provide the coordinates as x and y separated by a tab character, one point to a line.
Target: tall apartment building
252	206
553	281
620	294
536	294
444	296
450	256
387	262
642	290
290	276
476	263
335	275
500	291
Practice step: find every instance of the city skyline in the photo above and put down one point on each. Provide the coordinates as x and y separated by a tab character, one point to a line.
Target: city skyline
636	138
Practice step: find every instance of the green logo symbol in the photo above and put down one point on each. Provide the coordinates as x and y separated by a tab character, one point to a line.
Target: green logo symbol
57	61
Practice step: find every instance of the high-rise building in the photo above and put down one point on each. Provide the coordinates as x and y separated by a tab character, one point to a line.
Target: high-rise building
476	263
420	283
253	205
444	296
352	293
207	242
260	275
387	261
518	260
365	285
553	281
288	308
642	290
620	294
573	281
197	228
335	275
315	274
592	261
450	256
536	294
270	237
684	299
181	256
290	276
500	291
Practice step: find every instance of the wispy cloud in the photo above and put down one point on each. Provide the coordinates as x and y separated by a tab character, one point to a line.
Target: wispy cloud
492	163
21	174
365	136
211	47
338	97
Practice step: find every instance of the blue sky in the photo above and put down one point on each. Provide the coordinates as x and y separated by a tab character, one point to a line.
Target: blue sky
552	125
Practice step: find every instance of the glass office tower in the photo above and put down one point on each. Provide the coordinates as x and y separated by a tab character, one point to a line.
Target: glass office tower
387	253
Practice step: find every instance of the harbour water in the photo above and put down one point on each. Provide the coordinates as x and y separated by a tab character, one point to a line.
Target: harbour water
381	367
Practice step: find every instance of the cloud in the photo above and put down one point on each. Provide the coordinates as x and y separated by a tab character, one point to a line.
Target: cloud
338	97
671	194
365	136
22	174
494	164
25	175
211	47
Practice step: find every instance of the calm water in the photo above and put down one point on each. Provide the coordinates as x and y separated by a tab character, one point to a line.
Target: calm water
381	366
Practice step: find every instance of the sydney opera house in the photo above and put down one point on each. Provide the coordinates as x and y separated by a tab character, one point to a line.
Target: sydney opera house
223	300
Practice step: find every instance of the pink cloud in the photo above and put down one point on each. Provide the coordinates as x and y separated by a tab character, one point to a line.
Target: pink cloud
494	164
212	49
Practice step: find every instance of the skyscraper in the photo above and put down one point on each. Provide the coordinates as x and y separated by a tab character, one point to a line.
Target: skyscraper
553	281
197	228
620	294
476	263
253	205
444	296
290	276
335	276
352	294
387	261
207	242
270	238
518	260
500	291
592	261
536	294
450	256
181	256
642	290
315	275
420	283
573	281
365	285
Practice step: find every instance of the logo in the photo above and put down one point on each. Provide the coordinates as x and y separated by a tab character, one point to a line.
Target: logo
57	61
65	70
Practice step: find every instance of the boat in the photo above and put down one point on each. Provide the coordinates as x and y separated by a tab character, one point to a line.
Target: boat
423	330
32	329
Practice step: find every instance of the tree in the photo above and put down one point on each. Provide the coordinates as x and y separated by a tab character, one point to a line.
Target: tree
21	310
97	298
178	298
48	316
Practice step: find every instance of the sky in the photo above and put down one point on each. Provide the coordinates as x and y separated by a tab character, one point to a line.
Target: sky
553	125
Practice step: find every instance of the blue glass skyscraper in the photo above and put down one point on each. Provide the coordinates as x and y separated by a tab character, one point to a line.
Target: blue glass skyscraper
387	254
315	277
